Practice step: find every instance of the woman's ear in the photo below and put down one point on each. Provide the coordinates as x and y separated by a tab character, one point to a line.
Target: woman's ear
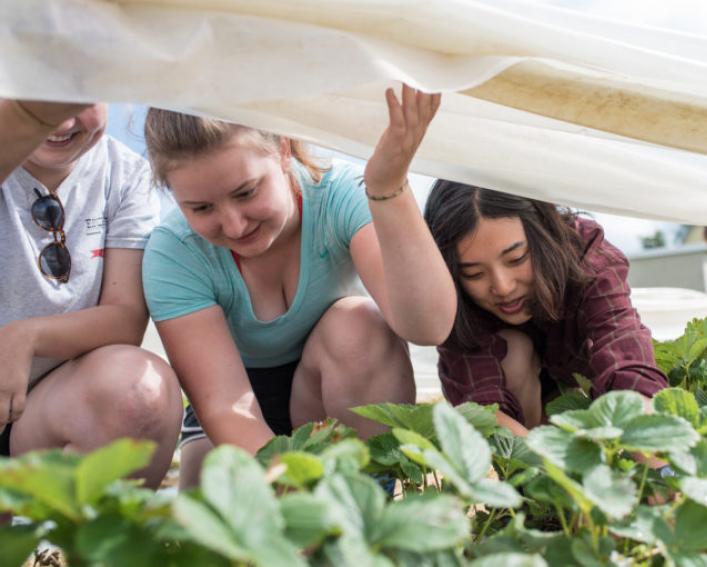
285	153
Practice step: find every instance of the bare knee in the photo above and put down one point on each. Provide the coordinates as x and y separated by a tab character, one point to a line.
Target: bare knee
521	368
132	392
355	335
352	358
521	362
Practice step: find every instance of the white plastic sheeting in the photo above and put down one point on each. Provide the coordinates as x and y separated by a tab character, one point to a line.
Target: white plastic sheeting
666	310
561	105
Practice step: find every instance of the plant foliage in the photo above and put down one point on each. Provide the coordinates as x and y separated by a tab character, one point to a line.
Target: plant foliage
575	492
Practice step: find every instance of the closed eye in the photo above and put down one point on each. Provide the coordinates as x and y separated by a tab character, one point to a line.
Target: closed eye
518	260
200	209
474	276
245	194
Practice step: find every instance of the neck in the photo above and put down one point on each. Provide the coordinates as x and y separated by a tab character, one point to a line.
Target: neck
50	178
291	231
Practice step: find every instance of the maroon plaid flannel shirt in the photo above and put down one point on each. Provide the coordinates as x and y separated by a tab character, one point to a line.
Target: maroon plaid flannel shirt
600	336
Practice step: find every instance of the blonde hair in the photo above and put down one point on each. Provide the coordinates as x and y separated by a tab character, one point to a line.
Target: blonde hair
172	137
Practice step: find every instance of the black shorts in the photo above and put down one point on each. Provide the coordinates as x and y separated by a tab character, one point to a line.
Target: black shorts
5	441
272	388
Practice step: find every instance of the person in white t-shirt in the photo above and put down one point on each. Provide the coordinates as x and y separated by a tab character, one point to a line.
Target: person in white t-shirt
76	210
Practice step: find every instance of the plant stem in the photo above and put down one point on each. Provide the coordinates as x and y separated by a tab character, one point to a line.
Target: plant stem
563	521
643	482
487	523
438	483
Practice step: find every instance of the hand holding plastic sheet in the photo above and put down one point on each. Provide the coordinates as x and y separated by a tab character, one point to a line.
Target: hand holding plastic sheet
552	103
387	169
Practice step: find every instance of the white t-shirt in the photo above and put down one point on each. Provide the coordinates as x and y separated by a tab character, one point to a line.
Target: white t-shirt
108	203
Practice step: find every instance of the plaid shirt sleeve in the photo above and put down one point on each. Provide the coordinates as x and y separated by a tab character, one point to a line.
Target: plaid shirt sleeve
477	376
620	347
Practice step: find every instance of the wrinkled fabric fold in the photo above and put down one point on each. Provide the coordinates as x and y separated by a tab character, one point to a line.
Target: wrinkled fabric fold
560	105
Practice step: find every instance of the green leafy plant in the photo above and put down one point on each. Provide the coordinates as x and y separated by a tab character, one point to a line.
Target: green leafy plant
577	492
684	360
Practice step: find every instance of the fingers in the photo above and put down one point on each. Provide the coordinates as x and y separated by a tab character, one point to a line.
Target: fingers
395	111
11	408
419	108
410	108
5	406
17	406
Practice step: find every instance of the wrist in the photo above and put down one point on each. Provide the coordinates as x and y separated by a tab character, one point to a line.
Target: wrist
27	332
385	194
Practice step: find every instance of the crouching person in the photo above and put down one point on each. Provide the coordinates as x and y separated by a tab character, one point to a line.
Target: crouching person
75	213
249	281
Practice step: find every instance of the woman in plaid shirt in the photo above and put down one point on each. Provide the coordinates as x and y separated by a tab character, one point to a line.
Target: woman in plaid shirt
541	295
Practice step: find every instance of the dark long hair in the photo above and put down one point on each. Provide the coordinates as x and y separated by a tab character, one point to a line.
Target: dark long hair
453	211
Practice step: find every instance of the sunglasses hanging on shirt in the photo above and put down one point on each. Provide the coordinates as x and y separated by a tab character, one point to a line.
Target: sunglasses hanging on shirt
54	260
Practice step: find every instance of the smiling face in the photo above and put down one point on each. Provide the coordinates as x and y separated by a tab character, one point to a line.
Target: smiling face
238	196
52	162
496	270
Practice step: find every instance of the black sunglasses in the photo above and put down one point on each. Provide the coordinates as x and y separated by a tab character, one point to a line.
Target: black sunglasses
54	260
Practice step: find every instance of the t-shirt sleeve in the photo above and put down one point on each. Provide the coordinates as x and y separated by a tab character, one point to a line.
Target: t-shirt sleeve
347	203
477	376
134	212
621	352
175	278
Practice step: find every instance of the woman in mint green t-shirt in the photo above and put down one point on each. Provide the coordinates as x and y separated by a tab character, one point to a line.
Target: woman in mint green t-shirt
249	281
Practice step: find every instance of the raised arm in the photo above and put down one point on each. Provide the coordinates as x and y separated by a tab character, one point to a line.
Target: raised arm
25	124
396	256
202	352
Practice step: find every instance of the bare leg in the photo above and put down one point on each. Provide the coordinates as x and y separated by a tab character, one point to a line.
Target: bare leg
351	358
111	392
521	367
192	458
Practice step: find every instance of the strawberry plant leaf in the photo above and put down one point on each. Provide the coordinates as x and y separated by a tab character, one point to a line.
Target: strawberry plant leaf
302	468
422	524
617	408
105	465
564	449
695	489
462	444
612	493
655	433
678	402
17	544
572	400
307	520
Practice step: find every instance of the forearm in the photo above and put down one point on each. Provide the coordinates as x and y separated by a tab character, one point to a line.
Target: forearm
68	335
241	428
420	294
19	137
505	420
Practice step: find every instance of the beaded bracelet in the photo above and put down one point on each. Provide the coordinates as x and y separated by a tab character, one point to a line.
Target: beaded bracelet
387	196
32	116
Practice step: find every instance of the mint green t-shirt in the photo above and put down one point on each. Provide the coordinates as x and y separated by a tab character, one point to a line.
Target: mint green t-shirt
183	273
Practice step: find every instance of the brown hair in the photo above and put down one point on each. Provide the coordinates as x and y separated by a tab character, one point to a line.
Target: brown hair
453	211
172	137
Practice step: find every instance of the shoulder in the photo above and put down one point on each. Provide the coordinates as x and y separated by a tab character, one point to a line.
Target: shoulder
112	158
173	227
598	253
340	176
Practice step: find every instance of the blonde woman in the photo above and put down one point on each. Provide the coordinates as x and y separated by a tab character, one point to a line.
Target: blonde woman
249	282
